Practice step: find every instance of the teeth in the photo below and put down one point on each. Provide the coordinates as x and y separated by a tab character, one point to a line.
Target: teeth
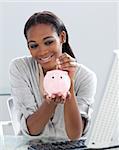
46	58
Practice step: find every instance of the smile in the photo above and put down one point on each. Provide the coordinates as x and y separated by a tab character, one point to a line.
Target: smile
46	59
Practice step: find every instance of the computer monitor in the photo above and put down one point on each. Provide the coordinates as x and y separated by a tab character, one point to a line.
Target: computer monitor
105	128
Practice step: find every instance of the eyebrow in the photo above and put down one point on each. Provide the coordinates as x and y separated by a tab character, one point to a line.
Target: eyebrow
43	39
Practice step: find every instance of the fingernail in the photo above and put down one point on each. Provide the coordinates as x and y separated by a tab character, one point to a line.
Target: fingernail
59	94
53	96
58	61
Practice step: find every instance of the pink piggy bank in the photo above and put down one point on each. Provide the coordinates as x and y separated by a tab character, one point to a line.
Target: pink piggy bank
56	81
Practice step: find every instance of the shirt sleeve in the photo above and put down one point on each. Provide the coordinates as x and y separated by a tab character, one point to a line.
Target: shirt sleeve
23	98
85	87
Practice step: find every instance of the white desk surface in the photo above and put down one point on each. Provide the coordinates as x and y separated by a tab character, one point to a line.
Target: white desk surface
13	143
9	142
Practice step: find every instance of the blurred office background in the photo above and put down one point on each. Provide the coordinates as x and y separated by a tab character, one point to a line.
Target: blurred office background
93	29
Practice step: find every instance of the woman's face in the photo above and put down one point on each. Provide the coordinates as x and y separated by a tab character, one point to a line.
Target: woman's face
45	45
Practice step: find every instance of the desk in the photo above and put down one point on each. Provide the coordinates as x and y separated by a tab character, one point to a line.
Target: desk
13	143
22	143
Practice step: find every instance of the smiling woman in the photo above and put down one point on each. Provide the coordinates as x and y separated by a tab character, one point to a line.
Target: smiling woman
67	117
45	45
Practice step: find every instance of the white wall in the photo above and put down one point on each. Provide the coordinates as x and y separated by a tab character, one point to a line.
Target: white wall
118	25
92	30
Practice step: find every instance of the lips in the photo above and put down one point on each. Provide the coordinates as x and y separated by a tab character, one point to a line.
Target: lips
46	58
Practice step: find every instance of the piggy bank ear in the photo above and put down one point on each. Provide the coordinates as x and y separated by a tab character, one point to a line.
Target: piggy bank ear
65	72
49	73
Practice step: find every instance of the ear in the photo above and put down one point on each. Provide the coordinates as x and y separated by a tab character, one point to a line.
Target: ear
63	37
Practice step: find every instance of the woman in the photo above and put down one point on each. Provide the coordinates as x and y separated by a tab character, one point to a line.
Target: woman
38	113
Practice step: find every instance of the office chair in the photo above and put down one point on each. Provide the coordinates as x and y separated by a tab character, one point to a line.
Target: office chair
13	116
6	127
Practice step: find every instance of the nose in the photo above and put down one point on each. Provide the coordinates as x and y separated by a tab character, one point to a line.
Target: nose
43	50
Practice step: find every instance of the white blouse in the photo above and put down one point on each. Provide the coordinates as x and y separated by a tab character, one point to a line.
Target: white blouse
26	92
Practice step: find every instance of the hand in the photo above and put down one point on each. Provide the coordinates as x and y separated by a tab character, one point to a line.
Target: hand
56	98
67	63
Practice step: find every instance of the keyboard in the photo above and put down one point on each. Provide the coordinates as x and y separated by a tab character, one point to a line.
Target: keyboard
62	145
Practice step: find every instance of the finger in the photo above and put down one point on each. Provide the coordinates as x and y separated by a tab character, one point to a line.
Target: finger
53	96
68	96
57	100
59	94
66	60
58	97
68	66
45	96
57	63
48	98
63	99
66	57
48	101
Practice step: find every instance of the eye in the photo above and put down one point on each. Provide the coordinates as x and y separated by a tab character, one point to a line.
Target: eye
60	77
48	42
53	77
32	45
